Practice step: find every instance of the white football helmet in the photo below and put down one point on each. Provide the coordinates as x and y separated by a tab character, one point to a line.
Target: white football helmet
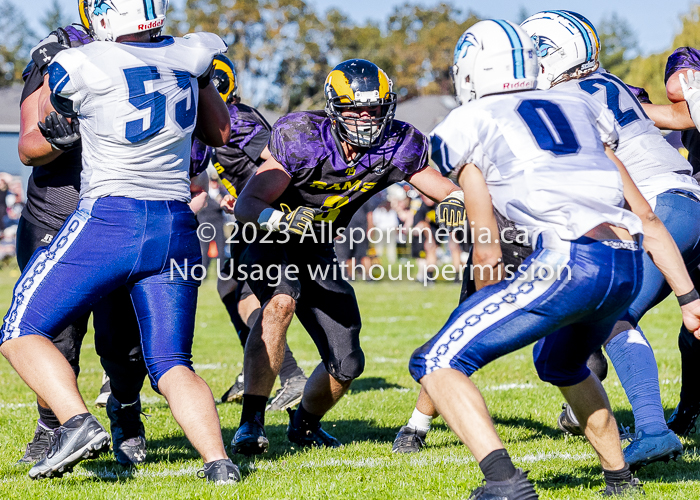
493	57
567	44
109	19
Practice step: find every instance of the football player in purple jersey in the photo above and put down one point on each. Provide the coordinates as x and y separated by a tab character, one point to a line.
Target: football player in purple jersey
324	165
236	162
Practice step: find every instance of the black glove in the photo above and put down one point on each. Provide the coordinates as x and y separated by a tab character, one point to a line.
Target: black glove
43	54
59	133
204	80
449	214
297	221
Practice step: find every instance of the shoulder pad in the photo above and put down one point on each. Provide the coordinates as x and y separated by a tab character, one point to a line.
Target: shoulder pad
205	40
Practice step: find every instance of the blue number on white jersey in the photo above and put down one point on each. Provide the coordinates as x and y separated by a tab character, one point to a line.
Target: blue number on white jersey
607	83
549	126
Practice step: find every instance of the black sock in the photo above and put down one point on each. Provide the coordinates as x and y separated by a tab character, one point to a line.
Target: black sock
253	406
306	421
253	318
77	421
231	303
48	417
289	368
614	478
497	466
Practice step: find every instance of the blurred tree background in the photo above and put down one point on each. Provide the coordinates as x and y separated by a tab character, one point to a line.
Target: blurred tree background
283	49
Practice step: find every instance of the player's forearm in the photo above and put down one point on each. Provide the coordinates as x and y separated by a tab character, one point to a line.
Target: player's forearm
34	150
249	207
670	116
213	119
663	251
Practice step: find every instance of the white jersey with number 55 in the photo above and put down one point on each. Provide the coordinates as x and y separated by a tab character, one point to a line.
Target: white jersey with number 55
137	106
654	165
542	155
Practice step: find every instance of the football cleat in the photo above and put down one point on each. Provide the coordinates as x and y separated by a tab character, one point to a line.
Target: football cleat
646	449
682	420
409	440
222	471
517	487
568	423
250	439
309	437
37	447
631	488
128	433
70	446
289	395
235	392
105	391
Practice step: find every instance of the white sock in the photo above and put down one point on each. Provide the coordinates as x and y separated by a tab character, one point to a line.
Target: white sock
420	421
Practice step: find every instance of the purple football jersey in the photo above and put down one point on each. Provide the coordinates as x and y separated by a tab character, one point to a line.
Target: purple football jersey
682	58
321	177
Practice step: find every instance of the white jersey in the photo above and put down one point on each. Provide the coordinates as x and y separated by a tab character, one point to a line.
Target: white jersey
137	106
543	158
654	165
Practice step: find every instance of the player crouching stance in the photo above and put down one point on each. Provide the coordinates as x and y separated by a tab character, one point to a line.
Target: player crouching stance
137	101
543	160
324	166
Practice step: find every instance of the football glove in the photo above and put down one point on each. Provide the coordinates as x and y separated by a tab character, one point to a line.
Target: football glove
295	221
690	84
44	53
450	213
59	132
299	220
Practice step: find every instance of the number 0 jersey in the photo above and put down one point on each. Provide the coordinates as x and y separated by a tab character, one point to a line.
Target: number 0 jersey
654	165
137	104
304	144
543	158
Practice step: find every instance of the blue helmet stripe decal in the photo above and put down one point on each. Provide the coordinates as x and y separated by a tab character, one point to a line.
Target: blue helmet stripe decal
149	9
517	45
581	28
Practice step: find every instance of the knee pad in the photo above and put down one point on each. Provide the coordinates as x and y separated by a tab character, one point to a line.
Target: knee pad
559	376
348	368
598	364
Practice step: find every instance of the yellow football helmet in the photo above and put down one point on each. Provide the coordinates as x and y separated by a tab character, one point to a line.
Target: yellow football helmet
354	84
224	78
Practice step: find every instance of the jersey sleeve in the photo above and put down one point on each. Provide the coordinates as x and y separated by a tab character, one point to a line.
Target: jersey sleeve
296	142
250	132
451	147
64	83
682	58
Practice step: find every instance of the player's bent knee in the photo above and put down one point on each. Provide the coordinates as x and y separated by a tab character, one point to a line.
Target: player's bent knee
158	370
281	305
598	364
348	368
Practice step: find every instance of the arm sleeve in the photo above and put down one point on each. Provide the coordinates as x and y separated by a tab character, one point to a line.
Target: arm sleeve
682	58
606	125
65	94
257	144
450	147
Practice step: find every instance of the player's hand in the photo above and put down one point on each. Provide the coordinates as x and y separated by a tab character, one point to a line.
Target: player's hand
297	221
449	213
59	132
227	203
691	317
690	84
44	53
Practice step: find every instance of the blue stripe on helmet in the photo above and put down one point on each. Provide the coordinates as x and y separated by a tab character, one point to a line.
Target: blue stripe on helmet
149	9
517	45
581	28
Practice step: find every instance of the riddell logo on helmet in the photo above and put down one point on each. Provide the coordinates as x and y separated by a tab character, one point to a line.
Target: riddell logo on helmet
153	24
518	85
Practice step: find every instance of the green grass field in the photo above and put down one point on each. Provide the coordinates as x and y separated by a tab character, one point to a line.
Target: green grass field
397	318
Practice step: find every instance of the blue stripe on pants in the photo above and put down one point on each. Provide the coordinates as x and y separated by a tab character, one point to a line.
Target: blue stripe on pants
502	318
